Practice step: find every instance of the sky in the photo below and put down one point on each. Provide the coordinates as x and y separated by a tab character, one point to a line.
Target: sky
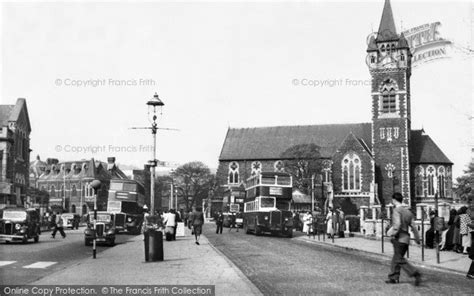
88	68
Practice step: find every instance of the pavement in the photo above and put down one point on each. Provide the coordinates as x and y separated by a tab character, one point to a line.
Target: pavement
185	263
449	261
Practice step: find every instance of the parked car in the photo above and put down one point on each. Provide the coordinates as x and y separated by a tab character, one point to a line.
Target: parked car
104	229
19	224
71	220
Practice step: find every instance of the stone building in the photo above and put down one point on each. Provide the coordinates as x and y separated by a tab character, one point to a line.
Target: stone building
363	163
68	183
15	132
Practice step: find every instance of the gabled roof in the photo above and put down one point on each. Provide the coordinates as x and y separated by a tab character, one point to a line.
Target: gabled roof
387	30
13	112
424	150
270	142
5	111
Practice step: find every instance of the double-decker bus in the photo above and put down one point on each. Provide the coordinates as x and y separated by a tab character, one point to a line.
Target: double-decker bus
126	200
267	204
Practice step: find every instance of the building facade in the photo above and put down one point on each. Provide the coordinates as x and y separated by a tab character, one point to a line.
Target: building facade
68	183
15	129
363	163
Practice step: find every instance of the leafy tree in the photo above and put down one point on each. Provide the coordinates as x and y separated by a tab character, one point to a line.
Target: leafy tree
302	162
195	181
465	184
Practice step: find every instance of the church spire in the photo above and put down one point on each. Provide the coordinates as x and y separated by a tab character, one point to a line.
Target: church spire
387	30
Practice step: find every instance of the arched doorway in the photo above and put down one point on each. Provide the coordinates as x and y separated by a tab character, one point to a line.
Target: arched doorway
84	210
73	209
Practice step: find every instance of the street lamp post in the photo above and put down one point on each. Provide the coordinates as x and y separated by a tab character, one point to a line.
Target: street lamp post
95	185
153	104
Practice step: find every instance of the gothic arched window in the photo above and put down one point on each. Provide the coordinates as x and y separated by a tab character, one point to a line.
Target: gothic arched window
430	175
441	181
233	173
389	97
419	172
52	191
351	173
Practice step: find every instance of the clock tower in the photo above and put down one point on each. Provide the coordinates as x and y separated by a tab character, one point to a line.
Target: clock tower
389	62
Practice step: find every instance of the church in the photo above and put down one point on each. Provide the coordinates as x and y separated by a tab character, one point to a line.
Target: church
363	163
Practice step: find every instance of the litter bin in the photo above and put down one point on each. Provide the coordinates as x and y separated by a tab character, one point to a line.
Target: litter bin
153	245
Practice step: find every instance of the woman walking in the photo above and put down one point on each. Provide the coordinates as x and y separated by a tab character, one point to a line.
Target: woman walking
197	222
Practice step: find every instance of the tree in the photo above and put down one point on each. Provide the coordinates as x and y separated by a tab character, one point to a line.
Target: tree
302	162
465	184
195	180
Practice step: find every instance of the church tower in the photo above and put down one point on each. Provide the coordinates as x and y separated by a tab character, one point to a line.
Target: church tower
389	62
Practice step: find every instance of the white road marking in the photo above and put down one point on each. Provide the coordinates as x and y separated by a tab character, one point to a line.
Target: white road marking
40	264
4	263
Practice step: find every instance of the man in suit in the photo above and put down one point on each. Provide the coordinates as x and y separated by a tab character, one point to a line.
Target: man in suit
402	219
219	222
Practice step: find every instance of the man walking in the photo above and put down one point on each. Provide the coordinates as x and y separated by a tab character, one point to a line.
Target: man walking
233	221
59	227
219	222
402	219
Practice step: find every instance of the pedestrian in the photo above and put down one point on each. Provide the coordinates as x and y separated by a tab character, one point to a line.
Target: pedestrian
342	222
186	217
59	227
306	220
296	220
197	222
219	222
430	233
447	242
470	272
170	222
329	223
456	234
402	220
233	219
177	219
52	221
464	230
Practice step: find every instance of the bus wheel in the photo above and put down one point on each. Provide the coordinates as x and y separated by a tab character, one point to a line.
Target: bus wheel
258	231
246	228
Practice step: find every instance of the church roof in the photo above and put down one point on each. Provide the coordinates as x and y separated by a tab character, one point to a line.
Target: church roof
424	150
387	30
270	142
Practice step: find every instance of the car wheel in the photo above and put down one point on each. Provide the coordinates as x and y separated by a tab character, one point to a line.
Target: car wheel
290	233
37	238
25	239
112	242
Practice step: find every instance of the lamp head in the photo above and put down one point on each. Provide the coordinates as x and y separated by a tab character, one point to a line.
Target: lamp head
155	101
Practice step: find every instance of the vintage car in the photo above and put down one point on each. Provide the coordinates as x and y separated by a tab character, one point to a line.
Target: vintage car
228	220
104	231
19	224
71	220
